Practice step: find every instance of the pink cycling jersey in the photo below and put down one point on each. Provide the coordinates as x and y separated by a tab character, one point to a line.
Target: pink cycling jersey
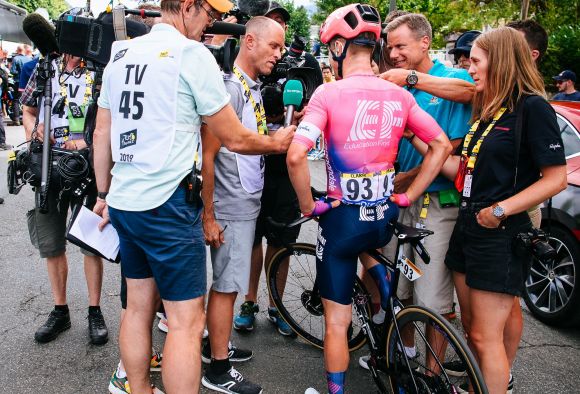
362	119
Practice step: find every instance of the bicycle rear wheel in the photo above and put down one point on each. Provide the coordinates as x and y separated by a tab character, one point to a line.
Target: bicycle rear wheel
427	374
292	288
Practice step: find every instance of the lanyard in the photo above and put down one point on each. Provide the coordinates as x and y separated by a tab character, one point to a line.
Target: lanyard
425	207
258	108
471	163
88	86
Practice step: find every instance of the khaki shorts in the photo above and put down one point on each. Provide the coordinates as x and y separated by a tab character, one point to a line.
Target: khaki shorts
48	230
231	262
435	288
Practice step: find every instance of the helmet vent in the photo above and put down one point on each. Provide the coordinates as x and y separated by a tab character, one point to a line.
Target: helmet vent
351	19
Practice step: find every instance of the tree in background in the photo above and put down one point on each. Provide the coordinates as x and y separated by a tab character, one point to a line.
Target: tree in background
54	7
299	21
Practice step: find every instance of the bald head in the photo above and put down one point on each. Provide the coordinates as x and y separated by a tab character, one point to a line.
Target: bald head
261	47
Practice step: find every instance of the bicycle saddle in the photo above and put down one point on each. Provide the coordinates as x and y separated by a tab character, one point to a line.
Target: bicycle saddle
408	233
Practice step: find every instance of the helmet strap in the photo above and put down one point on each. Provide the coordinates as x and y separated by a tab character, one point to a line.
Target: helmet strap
339	59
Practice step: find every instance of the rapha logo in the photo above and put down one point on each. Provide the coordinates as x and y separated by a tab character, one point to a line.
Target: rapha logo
128	138
119	55
555	146
375	119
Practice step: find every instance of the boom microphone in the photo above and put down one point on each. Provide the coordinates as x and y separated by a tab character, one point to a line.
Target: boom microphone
40	32
230	29
254	7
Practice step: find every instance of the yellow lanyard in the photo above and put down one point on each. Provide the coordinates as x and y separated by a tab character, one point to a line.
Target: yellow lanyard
259	111
469	136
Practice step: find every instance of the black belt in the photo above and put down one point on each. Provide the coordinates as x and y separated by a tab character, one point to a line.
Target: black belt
467	205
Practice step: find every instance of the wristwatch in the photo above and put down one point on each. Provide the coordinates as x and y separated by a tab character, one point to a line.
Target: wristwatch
498	212
102	195
412	79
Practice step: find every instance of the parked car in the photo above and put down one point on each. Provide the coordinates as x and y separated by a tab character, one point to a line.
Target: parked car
551	291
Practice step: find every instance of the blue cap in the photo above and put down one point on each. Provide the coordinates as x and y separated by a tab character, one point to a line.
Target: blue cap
465	41
566	75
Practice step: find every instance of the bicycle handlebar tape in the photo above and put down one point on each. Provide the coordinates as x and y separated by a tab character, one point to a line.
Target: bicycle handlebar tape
292	97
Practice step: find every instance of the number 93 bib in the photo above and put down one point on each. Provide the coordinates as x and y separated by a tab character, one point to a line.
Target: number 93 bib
143	80
367	189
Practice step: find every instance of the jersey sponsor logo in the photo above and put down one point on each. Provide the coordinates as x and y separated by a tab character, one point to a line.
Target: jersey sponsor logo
374	120
555	146
128	138
371	214
320	245
119	55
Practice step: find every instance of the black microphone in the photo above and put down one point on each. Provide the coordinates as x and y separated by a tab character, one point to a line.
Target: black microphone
143	13
230	29
41	33
254	7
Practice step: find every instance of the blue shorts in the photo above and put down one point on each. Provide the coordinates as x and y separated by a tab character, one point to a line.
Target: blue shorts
165	243
344	233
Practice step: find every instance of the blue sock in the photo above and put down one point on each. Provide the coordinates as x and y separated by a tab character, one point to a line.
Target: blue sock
335	381
379	274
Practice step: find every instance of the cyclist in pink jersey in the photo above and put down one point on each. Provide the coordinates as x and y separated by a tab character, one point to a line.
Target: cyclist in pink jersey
362	119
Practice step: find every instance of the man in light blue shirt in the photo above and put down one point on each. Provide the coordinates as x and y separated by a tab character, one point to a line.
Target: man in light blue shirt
157	89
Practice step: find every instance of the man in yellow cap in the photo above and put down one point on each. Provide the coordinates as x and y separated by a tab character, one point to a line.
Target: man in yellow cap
157	90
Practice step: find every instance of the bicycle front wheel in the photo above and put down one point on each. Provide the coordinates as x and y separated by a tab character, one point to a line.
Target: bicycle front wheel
436	342
291	283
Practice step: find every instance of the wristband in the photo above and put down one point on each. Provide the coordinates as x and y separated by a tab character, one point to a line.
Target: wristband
401	200
320	208
102	195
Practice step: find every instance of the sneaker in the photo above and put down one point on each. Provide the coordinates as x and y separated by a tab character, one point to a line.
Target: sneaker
5	146
56	323
230	382
119	385
510	388
234	354
245	320
455	368
156	361
281	325
98	332
364	363
310	390
162	325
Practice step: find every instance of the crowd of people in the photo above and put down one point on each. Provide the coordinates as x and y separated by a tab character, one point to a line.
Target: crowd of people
186	157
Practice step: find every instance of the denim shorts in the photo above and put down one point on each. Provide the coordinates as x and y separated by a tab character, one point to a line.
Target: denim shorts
486	256
165	243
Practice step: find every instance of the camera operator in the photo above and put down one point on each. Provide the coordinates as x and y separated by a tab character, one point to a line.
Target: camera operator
156	89
71	89
229	224
279	201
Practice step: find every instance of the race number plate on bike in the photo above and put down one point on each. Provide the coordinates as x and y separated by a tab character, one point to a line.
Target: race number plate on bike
410	270
367	188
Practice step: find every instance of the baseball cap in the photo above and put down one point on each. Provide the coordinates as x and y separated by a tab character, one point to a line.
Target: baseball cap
465	42
276	7
565	75
221	5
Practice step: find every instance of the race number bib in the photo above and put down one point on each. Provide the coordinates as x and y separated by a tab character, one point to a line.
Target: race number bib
369	188
408	269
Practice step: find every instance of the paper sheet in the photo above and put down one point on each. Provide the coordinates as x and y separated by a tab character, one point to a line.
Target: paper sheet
85	228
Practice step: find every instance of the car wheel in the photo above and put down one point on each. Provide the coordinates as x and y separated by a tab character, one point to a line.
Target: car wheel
551	292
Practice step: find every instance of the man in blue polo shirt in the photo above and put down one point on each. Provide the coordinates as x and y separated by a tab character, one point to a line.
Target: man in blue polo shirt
433	85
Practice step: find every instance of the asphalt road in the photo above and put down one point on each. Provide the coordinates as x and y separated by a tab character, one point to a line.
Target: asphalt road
548	360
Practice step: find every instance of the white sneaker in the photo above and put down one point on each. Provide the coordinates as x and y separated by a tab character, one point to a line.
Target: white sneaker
310	390
162	325
363	361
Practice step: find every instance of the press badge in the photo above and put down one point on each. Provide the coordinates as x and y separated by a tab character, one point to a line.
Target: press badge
467	185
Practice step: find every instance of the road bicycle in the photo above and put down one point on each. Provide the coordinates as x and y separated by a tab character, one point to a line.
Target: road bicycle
292	285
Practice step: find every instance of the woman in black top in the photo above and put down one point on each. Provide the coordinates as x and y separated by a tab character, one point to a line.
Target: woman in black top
497	188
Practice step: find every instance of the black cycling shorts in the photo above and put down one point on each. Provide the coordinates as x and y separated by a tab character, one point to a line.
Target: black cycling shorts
279	201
